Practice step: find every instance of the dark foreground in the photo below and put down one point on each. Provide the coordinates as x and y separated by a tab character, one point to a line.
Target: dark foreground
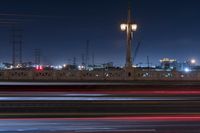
100	108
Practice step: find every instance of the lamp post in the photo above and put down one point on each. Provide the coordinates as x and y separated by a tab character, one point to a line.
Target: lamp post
129	28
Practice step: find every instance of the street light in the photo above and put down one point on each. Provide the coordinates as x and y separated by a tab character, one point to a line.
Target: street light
129	28
193	61
134	27
124	27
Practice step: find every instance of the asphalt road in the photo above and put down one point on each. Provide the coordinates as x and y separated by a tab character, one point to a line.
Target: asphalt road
95	125
94	106
100	108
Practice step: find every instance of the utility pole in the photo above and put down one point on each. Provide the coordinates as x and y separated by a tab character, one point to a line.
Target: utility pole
87	53
148	62
93	63
83	59
37	53
16	46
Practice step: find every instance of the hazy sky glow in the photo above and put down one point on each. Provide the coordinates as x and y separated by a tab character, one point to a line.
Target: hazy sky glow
167	28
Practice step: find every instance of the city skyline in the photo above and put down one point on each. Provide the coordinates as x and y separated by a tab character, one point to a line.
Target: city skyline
61	30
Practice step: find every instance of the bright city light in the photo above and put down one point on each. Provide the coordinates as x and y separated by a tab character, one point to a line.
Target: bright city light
39	68
187	70
123	27
60	67
134	27
193	61
81	67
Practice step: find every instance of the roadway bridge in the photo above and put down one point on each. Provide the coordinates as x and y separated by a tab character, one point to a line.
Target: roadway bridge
99	75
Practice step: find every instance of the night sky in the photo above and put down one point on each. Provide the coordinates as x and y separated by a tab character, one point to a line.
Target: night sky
60	28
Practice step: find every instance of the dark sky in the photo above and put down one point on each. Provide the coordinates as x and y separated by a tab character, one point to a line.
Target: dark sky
60	28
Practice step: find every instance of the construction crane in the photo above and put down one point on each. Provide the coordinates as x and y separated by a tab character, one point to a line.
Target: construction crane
136	50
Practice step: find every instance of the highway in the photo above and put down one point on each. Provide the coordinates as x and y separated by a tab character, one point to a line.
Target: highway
96	125
100	108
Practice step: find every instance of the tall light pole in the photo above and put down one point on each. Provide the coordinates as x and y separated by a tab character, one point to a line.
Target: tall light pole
129	27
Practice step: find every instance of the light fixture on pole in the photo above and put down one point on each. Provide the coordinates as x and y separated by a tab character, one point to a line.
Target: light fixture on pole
129	28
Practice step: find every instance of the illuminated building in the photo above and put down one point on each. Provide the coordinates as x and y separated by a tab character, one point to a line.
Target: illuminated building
167	63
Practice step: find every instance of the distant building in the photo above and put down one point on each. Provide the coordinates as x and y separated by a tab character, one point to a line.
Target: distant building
167	63
27	64
108	65
68	67
6	65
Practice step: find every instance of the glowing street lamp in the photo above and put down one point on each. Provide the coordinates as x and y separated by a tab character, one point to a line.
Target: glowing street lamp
129	28
134	27
123	27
